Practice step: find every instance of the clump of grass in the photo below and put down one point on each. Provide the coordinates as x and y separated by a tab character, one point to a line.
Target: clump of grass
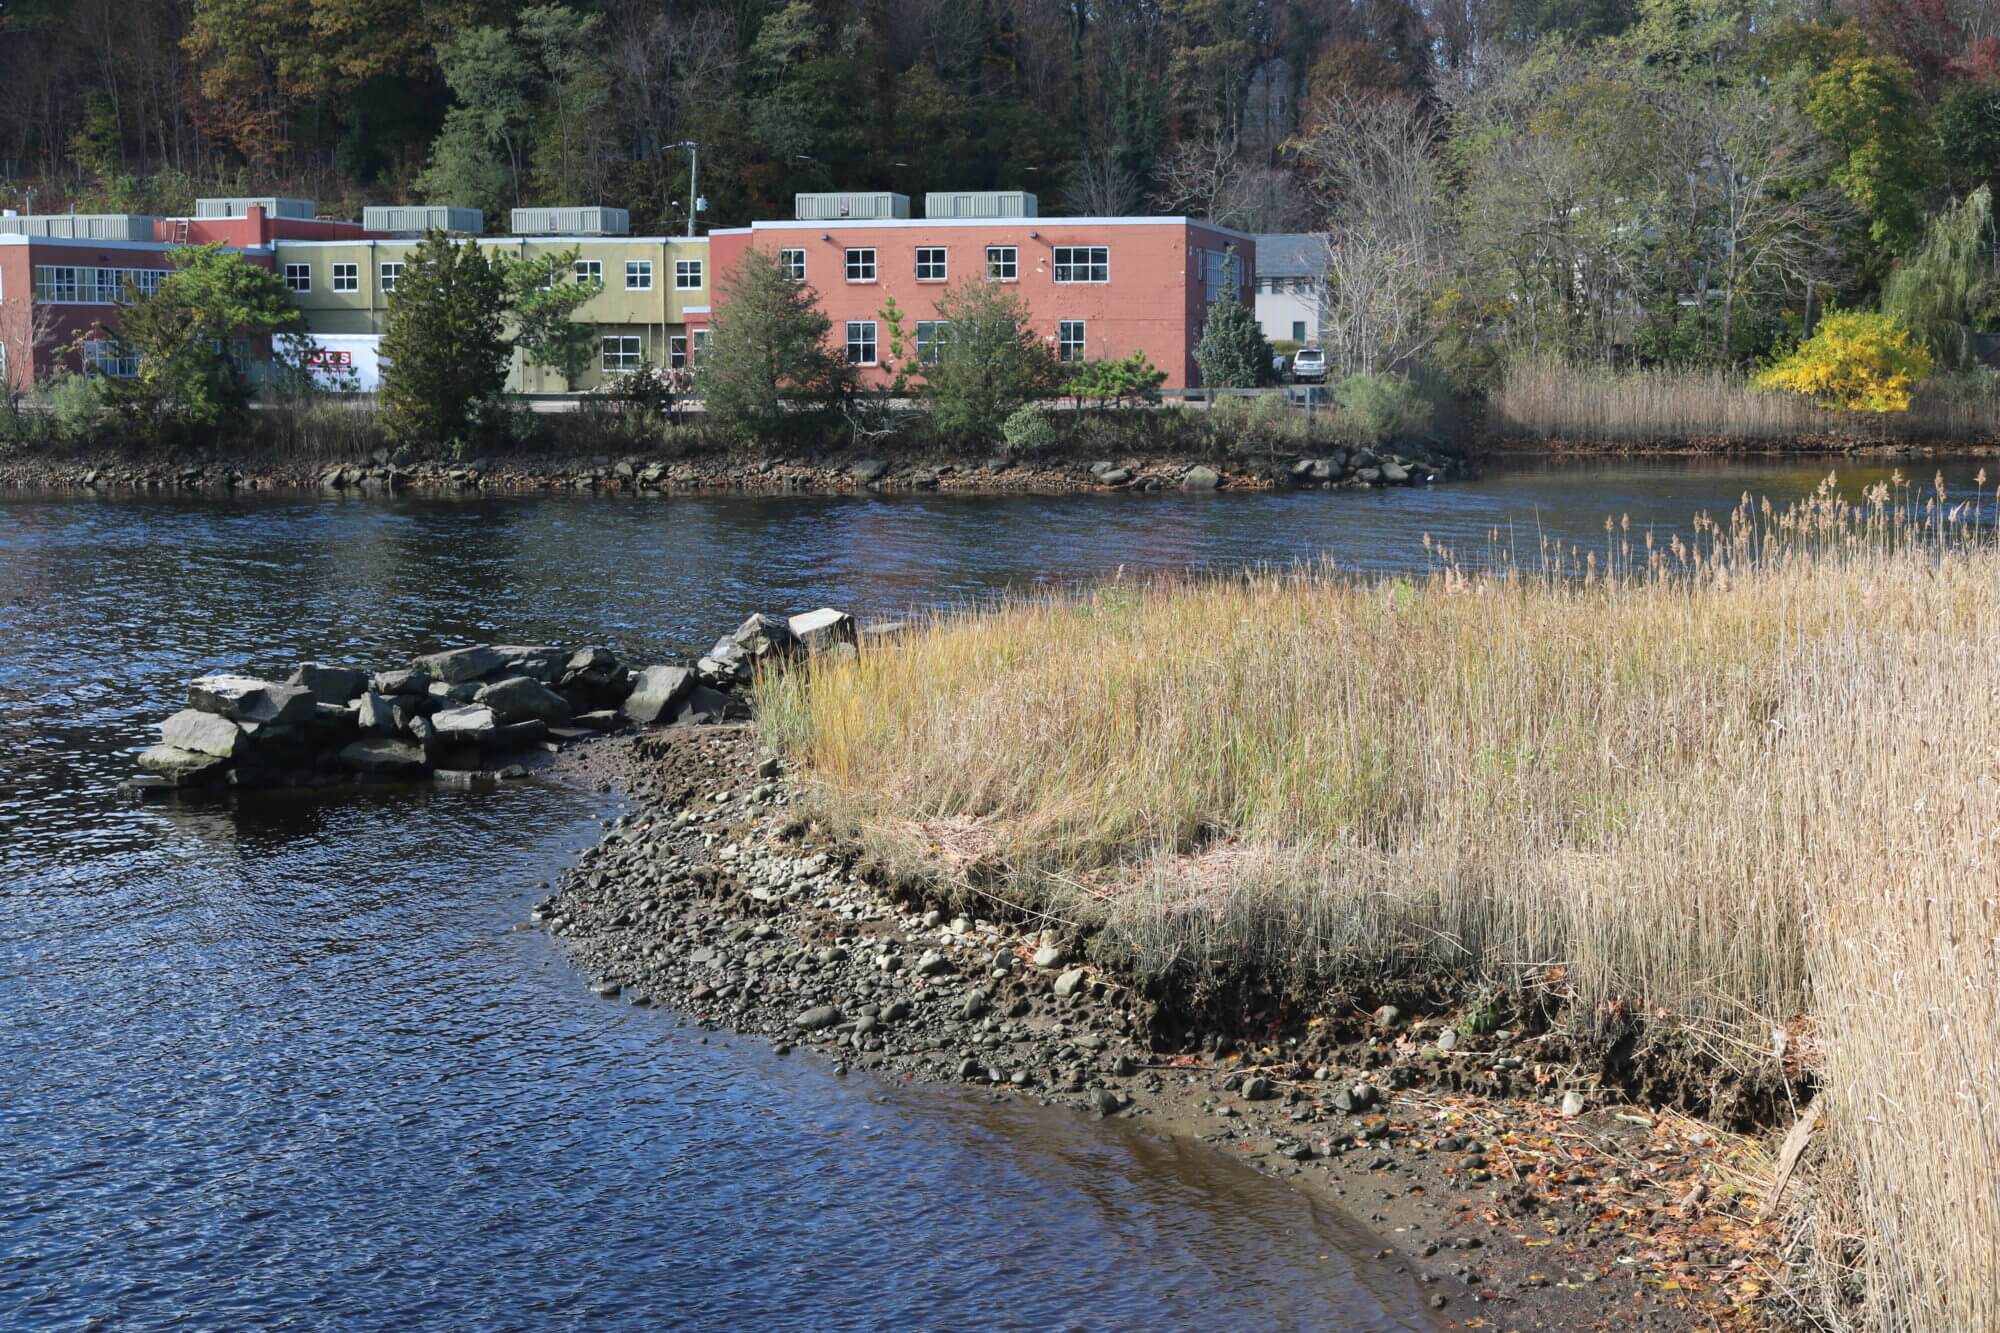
1742	784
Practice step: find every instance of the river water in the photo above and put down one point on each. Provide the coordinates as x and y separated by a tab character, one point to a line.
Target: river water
297	1064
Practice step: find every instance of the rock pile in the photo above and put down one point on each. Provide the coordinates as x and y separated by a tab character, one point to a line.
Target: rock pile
458	716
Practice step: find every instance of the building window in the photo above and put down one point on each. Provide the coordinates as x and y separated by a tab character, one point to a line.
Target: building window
930	339
1298	330
930	263
347	277
390	272
794	264
619	353
1003	263
298	277
1069	340
108	286
148	280
638	275
590	270
104	357
861	340
861	267
1083	263
687	275
677	352
700	344
55	284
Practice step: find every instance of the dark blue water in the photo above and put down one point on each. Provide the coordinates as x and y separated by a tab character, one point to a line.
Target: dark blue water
296	1064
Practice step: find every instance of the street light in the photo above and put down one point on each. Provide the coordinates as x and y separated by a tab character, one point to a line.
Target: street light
694	184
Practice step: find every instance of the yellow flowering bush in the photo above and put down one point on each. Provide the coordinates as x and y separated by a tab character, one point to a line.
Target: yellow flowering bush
1856	361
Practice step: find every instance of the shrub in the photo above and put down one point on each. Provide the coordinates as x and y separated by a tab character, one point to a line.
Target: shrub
1856	361
75	404
1379	408
988	363
1028	430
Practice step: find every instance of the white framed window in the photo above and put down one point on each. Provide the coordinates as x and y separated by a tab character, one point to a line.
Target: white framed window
700	343
930	263
347	277
861	267
793	262
677	352
860	340
68	285
1070	340
55	283
638	275
4	381
619	352
148	280
687	275
1082	263
101	356
390	272
590	270
298	277
930	338
1003	263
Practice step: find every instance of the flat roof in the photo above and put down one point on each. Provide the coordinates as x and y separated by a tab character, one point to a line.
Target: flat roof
15	238
510	240
793	224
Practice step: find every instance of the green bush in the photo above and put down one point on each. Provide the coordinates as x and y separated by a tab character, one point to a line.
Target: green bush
1380	408
1266	421
75	404
1028	430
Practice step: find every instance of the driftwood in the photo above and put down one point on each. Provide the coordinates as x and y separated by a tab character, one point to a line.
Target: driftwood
1788	1159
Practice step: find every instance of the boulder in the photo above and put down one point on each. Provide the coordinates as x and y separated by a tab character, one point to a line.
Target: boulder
247	699
869	470
725	665
383	754
461	725
402	682
517	735
461	664
819	630
1200	479
330	684
595	663
183	768
701	705
518	698
1395	473
762	636
655	691
464	692
375	716
537	661
1117	476
1101	467
203	733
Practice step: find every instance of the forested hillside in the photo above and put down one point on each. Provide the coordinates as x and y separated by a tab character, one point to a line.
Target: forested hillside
1678	182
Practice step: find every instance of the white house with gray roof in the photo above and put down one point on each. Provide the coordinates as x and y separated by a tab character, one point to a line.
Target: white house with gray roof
1291	285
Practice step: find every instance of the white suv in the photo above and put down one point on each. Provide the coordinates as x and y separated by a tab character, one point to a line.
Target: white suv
1309	365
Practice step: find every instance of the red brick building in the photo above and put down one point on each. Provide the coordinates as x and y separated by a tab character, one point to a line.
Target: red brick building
1095	288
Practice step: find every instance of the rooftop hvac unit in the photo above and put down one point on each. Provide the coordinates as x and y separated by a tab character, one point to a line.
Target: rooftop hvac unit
572	222
849	207
415	219
80	226
980	204
239	206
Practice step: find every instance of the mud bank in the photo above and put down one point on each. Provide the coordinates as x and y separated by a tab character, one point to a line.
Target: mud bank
717	896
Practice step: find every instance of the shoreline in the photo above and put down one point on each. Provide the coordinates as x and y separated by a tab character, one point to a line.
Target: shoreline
715	897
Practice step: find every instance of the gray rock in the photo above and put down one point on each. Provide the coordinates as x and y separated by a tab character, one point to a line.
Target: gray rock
462	693
402	682
1200	479
539	661
1447	1039
375	716
461	664
1050	955
868	470
247	699
383	754
1394	473
655	691
465	779
1105	1102
1101	466
700	705
519	698
1072	981
1388	1016
1572	1105
1258	1089
472	723
816	631
591	661
819	1016
183	768
1117	476
763	636
203	733
330	684
931	962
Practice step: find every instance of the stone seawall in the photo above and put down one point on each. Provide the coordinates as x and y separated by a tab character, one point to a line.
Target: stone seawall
461	716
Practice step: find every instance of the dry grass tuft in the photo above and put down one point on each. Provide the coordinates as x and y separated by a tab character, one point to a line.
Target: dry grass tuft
1748	783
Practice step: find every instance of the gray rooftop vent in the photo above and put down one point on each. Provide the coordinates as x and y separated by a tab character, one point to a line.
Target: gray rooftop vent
851	207
239	206
80	226
415	219
980	204
572	222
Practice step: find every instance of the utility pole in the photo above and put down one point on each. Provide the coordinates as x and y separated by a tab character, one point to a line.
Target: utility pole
694	186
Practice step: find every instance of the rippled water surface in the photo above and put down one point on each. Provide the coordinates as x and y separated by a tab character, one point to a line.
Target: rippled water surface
296	1064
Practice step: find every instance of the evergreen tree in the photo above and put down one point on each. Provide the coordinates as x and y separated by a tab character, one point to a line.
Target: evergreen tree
768	367
444	354
984	362
543	294
1232	352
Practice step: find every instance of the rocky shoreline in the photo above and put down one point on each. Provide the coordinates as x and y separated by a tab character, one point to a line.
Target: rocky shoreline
1517	1205
222	472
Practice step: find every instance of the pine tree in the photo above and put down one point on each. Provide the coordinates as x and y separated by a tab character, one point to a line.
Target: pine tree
443	354
1232	352
768	368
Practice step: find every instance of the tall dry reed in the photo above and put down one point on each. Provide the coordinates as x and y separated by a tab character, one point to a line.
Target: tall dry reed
1745	784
